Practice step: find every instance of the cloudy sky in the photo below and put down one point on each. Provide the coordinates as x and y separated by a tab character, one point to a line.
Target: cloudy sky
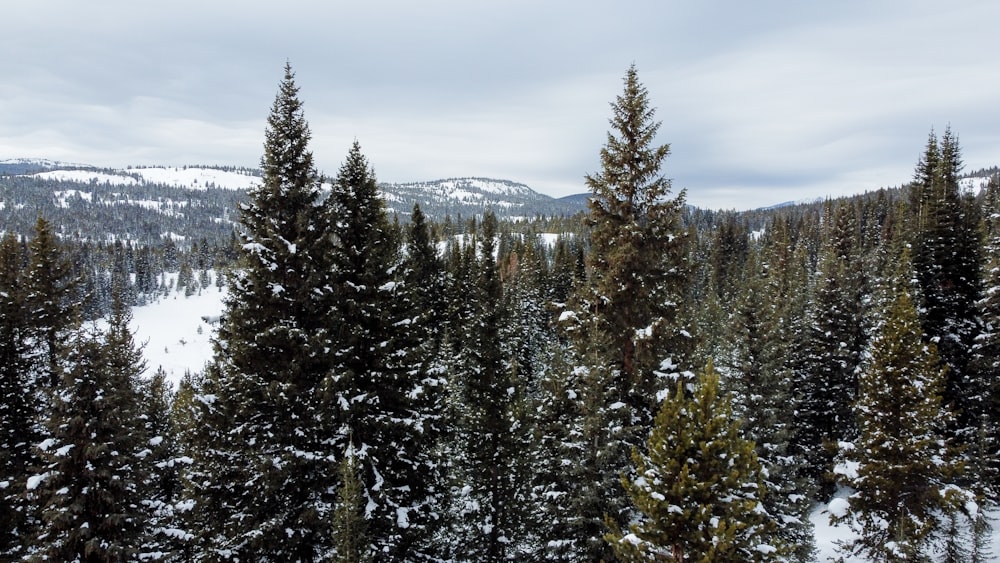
761	102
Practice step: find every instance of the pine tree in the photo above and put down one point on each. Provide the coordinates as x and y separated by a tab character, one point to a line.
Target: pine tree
380	394
626	318
51	300
89	485
986	353
161	460
947	264
264	473
18	402
760	376
637	262
350	537
490	490
699	486
834	345
902	467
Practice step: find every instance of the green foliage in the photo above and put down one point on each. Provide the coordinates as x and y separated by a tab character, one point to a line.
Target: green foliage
699	486
89	486
906	469
264	478
350	537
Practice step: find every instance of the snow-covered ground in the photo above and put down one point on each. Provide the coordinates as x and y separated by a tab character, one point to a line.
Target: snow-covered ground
191	177
173	333
828	536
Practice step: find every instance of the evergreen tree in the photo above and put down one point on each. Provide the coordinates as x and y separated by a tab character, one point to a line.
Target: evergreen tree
264	474
89	487
698	487
901	467
986	357
946	263
18	402
350	537
161	461
490	448
627	317
637	262
760	376
51	300
379	394
834	345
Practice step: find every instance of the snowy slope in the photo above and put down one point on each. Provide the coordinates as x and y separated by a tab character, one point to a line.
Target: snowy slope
191	177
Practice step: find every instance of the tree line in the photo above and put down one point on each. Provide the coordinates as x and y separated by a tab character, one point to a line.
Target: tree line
657	384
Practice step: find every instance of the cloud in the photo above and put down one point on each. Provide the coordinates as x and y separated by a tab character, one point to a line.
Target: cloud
762	102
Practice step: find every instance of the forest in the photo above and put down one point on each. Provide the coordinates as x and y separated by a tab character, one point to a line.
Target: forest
654	382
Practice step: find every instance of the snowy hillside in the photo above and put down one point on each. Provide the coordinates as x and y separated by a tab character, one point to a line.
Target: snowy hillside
192	178
456	197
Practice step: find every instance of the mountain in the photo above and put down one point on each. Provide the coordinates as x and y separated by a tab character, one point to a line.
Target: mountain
149	203
467	197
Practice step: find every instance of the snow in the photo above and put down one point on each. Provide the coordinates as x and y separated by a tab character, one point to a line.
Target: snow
828	536
87	177
192	178
174	334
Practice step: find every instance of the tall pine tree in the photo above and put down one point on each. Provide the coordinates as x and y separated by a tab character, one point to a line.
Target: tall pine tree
627	318
265	472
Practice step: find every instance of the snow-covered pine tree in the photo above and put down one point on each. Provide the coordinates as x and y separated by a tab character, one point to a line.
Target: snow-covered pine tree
487	409
91	473
947	262
378	392
165	537
834	344
18	402
902	467
698	485
986	352
759	374
265	468
627	316
51	299
351	543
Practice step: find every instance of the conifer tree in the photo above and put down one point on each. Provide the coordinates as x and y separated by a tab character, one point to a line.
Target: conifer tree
51	300
350	538
834	345
901	467
986	358
161	461
379	393
89	485
637	263
490	490
760	376
18	403
947	264
627	317
264	474
698	487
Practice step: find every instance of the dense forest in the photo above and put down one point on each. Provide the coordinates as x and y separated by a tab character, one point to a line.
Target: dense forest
654	383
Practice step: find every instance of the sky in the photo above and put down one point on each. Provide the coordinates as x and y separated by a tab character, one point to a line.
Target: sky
761	102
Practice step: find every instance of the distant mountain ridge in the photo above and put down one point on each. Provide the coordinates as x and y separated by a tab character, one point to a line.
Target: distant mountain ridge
146	203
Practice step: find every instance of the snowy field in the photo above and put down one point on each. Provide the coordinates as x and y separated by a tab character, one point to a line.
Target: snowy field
176	338
173	334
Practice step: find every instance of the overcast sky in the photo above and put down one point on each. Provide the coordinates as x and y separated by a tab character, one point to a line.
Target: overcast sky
762	102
